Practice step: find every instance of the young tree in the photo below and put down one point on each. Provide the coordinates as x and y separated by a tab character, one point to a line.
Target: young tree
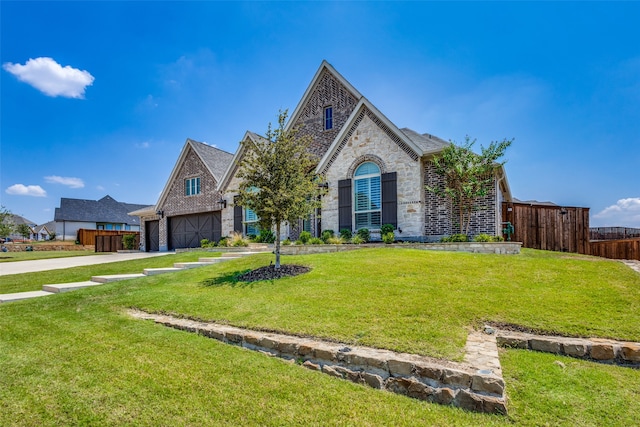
278	181
6	222
467	175
24	230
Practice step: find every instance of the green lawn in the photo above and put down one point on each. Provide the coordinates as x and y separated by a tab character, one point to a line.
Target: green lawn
33	281
77	358
28	256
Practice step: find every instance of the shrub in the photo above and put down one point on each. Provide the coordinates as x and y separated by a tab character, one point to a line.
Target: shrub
316	241
298	242
483	238
498	239
364	234
265	236
326	235
224	241
388	237
335	240
455	238
286	242
305	236
129	241
237	240
386	228
357	240
345	233
205	243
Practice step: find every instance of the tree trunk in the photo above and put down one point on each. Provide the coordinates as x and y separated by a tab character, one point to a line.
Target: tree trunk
277	266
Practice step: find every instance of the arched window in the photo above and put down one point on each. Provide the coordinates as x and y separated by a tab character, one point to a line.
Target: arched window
366	186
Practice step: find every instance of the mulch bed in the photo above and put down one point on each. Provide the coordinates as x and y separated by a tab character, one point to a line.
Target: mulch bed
269	272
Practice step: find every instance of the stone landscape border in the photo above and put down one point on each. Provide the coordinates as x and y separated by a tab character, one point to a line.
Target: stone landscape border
607	351
475	385
505	248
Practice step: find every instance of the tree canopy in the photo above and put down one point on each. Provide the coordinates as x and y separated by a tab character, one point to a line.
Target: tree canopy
6	223
278	182
467	176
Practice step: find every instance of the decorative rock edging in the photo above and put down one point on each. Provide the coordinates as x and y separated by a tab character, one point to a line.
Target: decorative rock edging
595	349
424	378
506	248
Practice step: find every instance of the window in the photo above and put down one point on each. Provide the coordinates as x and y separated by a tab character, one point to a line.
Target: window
192	186
328	118
367	206
251	222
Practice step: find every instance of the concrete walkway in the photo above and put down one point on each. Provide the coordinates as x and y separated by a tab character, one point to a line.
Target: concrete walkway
20	267
98	280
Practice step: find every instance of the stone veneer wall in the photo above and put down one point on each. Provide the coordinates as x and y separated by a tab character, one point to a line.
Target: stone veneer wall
441	218
177	203
328	92
370	143
419	377
506	248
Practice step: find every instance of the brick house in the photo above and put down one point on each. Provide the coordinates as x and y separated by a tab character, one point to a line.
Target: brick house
376	174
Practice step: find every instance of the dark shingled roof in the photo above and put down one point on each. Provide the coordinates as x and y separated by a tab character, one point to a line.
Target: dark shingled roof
106	209
217	160
428	143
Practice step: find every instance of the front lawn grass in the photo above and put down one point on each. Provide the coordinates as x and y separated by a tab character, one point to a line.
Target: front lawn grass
411	300
33	281
28	256
78	358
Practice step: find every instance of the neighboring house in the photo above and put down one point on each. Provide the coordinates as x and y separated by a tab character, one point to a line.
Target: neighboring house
44	231
18	220
375	173
103	214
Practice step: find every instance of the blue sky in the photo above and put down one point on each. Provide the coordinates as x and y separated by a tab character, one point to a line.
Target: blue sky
98	98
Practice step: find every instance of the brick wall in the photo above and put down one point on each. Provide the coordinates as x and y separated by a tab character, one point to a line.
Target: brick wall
327	92
441	218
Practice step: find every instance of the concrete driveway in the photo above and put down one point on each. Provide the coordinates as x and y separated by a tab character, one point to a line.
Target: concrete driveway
19	267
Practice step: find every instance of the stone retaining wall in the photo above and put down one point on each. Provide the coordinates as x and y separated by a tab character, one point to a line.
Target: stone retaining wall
411	375
511	248
596	349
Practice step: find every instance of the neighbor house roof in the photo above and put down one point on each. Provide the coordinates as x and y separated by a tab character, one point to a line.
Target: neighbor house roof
106	209
17	220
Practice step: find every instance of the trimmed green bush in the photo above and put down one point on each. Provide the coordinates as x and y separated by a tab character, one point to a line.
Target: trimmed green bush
455	238
357	240
388	237
326	235
305	236
286	242
483	238
316	241
346	234
364	234
386	228
129	241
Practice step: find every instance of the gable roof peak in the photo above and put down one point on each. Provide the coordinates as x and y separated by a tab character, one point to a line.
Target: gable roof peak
324	67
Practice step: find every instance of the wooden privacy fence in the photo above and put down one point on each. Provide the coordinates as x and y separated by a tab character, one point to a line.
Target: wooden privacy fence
617	249
113	243
88	237
549	227
613	233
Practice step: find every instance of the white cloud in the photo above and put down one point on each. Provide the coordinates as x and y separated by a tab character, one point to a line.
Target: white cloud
64	180
100	188
51	78
625	213
144	144
26	190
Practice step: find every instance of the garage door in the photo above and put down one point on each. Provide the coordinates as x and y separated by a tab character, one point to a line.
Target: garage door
152	236
186	231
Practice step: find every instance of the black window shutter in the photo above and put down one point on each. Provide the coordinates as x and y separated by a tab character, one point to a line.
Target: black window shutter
237	216
344	204
389	199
